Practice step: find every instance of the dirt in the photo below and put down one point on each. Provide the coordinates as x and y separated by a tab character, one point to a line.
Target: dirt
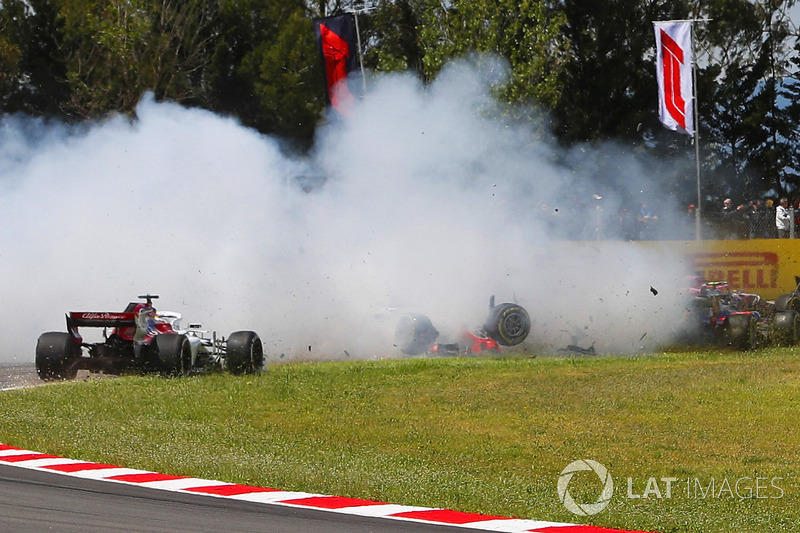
22	376
18	376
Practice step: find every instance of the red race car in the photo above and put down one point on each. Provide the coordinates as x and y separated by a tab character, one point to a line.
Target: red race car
508	324
140	337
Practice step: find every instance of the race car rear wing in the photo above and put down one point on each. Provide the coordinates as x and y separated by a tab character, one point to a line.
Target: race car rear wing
90	319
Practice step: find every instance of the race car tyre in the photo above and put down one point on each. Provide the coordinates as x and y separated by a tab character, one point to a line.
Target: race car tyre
245	353
56	353
174	353
415	334
786	326
740	332
508	324
784	302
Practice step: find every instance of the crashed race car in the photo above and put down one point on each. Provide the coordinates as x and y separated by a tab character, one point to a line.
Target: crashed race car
741	320
141	338
508	324
725	314
787	316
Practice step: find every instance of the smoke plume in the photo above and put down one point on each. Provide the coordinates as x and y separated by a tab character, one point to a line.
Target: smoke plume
425	199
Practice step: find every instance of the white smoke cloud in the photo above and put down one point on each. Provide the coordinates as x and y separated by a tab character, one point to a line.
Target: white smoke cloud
431	203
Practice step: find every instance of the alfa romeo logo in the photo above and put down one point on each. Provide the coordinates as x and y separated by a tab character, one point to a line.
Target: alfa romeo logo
584	509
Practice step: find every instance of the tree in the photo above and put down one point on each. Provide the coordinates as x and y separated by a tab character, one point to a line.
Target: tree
265	68
393	31
608	74
286	81
34	78
523	32
751	133
104	47
115	50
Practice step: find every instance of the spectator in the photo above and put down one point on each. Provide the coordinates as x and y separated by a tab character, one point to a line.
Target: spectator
755	219
783	219
691	220
730	219
769	216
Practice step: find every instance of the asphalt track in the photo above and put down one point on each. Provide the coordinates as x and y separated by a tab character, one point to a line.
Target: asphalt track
16	376
33	501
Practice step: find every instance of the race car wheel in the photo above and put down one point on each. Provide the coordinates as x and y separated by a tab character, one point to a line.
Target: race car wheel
785	302
508	324
415	334
56	353
245	353
174	353
740	332
786	326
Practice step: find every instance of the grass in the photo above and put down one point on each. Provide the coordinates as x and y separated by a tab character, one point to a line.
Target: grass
487	435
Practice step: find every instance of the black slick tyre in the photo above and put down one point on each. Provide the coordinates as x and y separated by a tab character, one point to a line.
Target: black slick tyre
508	324
740	332
56	354
174	353
786	327
415	334
244	353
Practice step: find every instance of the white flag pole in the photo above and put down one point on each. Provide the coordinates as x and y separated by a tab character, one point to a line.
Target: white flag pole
360	53
698	231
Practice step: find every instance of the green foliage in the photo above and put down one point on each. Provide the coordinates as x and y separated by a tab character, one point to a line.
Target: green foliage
265	68
524	33
609	72
284	76
589	66
394	29
32	33
746	107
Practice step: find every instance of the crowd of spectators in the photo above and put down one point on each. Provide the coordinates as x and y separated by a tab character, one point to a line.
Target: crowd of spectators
757	219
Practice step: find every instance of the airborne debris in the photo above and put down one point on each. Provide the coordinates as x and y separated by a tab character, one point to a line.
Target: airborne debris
577	349
655	292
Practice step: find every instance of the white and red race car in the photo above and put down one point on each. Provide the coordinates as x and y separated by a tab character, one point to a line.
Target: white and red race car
140	337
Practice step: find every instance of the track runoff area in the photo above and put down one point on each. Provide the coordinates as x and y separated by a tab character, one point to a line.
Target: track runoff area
11	455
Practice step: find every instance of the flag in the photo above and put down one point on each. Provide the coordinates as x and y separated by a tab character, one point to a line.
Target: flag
337	48
674	75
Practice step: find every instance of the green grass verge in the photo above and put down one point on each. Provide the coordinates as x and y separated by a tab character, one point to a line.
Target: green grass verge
487	435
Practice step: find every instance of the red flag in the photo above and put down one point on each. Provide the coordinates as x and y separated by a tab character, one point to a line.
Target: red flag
336	43
674	75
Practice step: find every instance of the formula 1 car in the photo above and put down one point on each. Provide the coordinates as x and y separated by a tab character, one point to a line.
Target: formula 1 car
726	314
508	324
744	320
139	337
